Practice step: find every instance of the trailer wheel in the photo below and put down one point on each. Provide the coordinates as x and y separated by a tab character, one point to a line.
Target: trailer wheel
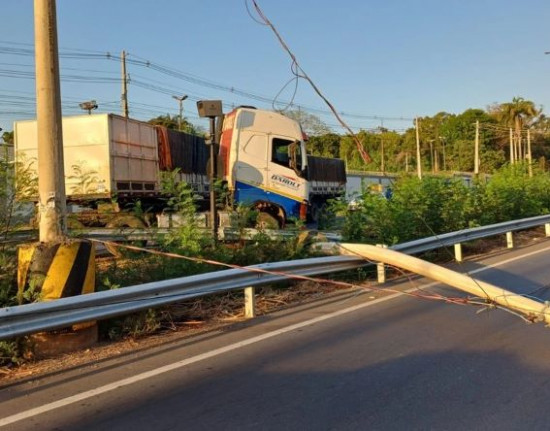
125	221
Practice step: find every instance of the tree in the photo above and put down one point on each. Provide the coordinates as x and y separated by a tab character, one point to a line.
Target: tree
8	138
518	113
311	124
324	145
171	122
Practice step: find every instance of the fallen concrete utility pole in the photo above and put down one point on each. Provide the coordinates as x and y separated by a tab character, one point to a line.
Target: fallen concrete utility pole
533	310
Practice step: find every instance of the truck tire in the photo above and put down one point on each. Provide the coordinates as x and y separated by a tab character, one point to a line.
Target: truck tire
316	209
125	221
267	220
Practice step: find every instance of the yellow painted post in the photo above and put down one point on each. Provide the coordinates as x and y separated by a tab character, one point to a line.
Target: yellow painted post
509	240
458	252
547	229
52	271
47	272
249	302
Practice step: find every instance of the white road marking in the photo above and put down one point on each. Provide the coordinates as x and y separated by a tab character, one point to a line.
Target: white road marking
220	351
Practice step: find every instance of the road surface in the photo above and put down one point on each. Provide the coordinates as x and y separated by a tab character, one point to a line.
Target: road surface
359	361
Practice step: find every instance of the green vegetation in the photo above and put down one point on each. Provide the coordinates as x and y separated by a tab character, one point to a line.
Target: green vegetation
10	221
446	140
172	122
189	240
435	205
416	209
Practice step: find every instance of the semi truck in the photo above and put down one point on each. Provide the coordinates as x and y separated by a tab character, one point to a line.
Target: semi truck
110	160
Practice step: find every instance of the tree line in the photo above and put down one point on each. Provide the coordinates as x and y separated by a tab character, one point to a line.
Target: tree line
446	140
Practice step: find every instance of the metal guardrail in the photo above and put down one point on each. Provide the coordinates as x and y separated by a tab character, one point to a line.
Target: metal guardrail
452	238
42	316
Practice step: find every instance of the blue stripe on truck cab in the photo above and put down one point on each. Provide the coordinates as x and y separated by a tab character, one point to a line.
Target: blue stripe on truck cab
248	194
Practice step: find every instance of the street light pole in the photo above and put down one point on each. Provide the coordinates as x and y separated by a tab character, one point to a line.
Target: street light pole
212	109
180	100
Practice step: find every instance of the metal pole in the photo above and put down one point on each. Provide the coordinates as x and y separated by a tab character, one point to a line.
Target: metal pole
212	177
180	114
180	101
51	175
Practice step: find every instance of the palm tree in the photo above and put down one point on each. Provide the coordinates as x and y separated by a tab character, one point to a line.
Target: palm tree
516	114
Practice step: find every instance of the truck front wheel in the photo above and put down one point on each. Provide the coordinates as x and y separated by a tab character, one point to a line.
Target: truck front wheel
316	210
266	220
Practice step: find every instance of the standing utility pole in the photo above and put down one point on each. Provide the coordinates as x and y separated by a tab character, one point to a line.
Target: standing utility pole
124	96
476	150
418	162
519	153
529	156
51	175
512	158
180	101
382	165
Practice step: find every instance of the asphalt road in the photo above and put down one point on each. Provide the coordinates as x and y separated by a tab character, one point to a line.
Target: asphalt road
355	362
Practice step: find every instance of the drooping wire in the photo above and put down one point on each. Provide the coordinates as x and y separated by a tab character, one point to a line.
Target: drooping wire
302	74
298	71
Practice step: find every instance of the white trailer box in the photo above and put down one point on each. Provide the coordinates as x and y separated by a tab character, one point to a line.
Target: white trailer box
104	155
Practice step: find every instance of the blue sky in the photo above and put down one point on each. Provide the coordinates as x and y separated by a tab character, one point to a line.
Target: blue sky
391	58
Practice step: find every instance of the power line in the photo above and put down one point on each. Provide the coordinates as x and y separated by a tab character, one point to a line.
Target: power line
194	79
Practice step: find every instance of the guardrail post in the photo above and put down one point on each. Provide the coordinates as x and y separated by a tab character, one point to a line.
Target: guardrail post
381	268
509	240
249	302
458	252
547	229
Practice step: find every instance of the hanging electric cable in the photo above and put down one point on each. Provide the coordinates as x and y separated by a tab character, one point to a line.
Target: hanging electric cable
300	73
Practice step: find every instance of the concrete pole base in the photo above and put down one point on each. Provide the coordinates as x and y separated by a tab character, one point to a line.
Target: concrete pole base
46	345
50	271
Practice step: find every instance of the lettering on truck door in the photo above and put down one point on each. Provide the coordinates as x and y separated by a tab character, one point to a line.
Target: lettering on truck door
282	176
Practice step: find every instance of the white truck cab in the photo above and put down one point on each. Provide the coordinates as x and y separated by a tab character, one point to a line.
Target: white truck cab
264	162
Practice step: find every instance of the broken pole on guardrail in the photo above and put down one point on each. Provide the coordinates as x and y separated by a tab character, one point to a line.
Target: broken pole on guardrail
532	310
56	266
